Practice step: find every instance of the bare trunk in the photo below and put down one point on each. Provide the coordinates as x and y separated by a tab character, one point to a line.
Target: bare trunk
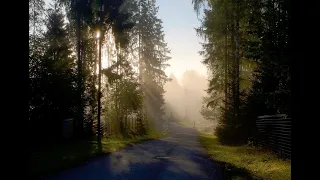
126	120
139	49
107	106
116	96
226	62
237	58
99	72
94	87
80	107
34	23
233	64
141	66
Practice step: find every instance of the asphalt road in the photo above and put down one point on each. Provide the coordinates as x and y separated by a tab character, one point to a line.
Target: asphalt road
177	156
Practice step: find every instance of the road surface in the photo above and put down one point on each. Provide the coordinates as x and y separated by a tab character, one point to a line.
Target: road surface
177	156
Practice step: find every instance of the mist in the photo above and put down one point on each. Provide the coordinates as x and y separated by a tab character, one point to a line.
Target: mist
184	100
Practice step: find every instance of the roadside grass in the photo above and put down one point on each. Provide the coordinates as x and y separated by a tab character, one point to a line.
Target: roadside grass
58	157
259	163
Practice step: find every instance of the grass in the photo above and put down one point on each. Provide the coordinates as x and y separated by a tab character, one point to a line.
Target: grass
52	159
261	164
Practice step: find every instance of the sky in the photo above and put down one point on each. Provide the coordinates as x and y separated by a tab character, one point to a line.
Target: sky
179	23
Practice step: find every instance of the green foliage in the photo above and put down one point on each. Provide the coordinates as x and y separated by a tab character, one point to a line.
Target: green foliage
210	109
63	60
52	78
152	54
262	86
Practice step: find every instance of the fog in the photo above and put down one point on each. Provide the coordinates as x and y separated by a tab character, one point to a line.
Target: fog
184	100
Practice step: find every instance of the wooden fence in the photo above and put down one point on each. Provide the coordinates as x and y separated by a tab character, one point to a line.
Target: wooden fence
274	132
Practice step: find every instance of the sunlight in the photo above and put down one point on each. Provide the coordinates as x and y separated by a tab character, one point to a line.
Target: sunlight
98	34
107	52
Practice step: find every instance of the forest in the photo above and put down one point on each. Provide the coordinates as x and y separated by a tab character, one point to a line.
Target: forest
246	53
245	49
100	63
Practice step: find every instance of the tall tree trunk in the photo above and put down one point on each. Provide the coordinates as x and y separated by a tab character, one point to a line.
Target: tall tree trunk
226	60
107	107
94	87
237	58
233	65
118	107
34	23
139	44
99	72
126	120
140	62
79	62
116	94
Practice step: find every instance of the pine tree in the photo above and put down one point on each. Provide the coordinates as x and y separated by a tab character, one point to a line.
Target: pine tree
153	56
248	40
56	80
